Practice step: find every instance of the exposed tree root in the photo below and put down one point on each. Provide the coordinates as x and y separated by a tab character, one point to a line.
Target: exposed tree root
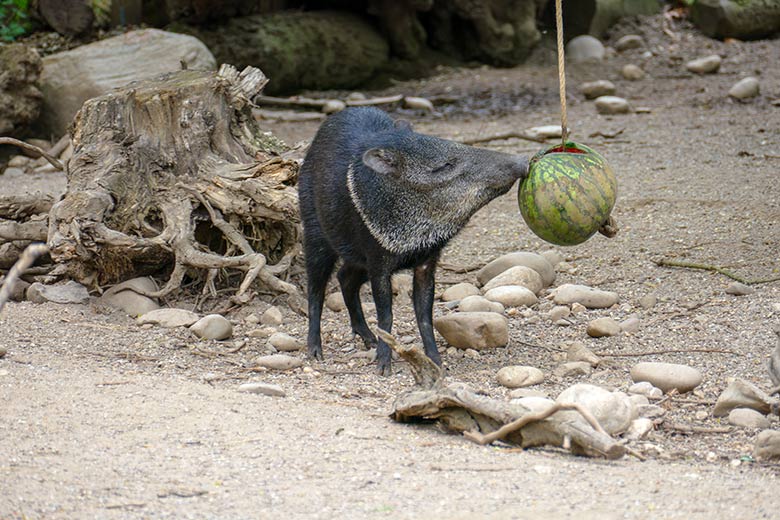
32	148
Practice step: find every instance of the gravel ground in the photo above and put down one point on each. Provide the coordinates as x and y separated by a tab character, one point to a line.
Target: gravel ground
106	419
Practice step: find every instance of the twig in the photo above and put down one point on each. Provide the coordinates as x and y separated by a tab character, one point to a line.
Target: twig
129	504
504	135
375	101
32	148
541	415
182	493
112	383
682	400
26	259
670	351
715	268
687	428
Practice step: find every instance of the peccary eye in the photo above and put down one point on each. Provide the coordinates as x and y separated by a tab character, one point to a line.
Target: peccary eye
443	168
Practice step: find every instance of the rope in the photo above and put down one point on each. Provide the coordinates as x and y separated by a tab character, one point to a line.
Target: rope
561	71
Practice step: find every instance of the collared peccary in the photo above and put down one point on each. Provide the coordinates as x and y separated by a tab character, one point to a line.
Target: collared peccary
384	198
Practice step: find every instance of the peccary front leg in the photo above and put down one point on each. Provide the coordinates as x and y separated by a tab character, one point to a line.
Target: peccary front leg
422	297
382	290
320	259
351	278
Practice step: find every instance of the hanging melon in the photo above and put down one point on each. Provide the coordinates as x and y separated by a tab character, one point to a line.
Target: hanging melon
568	194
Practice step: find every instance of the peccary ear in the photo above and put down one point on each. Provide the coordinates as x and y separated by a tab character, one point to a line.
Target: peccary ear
382	161
403	124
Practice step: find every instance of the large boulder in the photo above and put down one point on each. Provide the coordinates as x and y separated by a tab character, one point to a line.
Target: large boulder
69	78
736	18
299	50
20	99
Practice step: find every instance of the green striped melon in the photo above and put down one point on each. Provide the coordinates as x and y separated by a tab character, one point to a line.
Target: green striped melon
568	194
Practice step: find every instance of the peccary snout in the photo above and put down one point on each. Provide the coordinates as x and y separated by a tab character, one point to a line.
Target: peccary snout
384	198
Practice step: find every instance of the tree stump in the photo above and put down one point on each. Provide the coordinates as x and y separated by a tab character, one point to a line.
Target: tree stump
175	171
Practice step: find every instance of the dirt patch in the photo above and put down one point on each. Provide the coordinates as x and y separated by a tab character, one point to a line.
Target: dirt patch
103	418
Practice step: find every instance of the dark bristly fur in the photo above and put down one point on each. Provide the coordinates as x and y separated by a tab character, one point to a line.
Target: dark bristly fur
384	198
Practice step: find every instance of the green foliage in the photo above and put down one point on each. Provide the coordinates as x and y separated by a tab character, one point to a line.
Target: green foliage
13	19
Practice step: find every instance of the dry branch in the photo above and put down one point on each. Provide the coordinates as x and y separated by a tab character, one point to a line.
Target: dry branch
482	419
25	260
35	149
715	268
502	136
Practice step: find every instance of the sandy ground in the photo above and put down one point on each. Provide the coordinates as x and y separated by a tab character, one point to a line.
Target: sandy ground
102	418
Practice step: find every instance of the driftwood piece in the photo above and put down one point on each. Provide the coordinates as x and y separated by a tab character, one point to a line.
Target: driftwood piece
483	419
174	171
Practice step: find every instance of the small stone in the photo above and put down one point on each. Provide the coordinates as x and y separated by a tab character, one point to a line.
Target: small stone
584	48
545	132
356	96
648	301
577	308
701	415
651	411
767	445
477	330
284	342
271	317
630	324
639	429
577	351
418	103
639	400
554	257
745	88
591	298
739	289
519	376
602	327
18	161
517	275
612	105
18	290
278	362
613	410
402	284
742	394
558	313
538	263
511	296
479	304
632	72
595	89
471	353
335	302
262	388
168	317
520	393
262	332
122	296
705	65
332	106
646	389
212	326
628	42
454	353
459	291
667	376
70	292
252	319
747	418
573	369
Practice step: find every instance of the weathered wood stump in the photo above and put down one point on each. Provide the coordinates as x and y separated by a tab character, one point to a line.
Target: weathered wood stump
174	173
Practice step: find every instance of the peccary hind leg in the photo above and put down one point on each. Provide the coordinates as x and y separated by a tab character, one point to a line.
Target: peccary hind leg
351	278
